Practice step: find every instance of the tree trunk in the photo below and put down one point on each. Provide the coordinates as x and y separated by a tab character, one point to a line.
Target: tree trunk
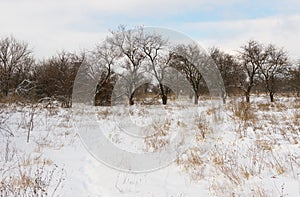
6	88
224	97
164	96
164	99
196	98
131	102
191	94
271	97
247	94
5	92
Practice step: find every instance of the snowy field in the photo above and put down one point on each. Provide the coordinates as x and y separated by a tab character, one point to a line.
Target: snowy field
256	153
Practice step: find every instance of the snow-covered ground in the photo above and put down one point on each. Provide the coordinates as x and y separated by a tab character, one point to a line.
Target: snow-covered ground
257	152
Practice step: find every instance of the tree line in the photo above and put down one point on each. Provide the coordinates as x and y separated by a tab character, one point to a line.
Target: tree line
135	57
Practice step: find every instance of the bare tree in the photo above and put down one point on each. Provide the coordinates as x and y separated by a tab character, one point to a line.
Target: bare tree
104	58
252	56
157	58
186	59
294	81
128	43
274	69
229	68
15	63
55	76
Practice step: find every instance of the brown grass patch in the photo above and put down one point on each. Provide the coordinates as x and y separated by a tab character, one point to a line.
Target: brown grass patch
244	111
263	106
160	139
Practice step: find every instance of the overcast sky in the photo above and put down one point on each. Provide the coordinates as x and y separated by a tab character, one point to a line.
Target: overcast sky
73	25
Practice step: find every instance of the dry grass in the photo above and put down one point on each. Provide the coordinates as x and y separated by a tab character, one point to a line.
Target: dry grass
244	115
296	104
34	160
263	131
33	176
222	167
9	152
265	145
296	116
204	129
243	111
259	191
280	106
191	163
263	106
104	112
29	175
160	139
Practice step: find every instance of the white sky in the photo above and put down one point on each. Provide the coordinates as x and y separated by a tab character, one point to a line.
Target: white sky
73	25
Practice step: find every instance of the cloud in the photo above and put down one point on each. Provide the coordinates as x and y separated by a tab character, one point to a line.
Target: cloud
48	26
138	7
53	25
281	30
